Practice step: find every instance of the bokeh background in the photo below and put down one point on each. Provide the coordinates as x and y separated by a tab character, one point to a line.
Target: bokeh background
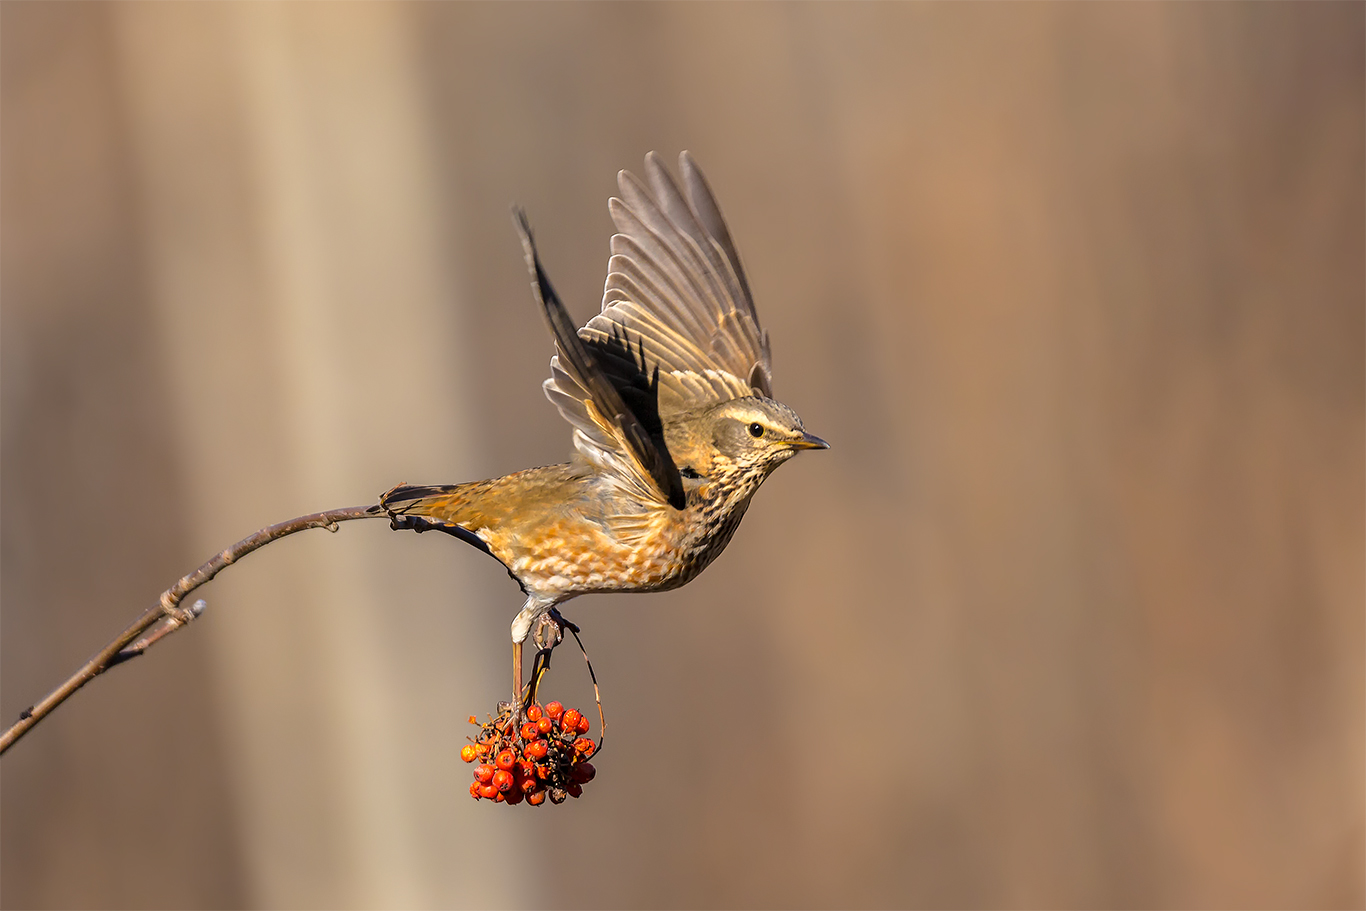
1070	616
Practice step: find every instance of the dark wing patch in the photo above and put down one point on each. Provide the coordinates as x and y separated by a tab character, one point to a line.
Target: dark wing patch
636	426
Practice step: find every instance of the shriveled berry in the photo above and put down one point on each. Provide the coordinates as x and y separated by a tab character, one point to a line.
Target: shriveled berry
530	731
474	789
534	713
502	780
537	749
488	791
484	773
554	710
569	723
481	748
467	753
506	760
574	788
543	772
585	746
545	725
583	724
583	772
528	784
536	798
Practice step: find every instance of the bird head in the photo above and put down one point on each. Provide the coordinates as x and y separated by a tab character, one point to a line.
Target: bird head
738	443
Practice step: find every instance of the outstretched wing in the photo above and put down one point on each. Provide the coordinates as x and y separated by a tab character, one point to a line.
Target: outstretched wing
628	441
678	330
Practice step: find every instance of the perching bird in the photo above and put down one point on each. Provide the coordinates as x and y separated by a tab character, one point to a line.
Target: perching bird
675	426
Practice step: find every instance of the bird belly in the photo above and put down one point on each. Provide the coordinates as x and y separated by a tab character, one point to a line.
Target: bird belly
573	556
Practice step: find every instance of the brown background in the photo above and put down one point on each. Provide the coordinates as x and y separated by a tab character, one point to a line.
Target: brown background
1071	615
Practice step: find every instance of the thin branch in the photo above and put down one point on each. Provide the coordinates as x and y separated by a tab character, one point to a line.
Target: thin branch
168	612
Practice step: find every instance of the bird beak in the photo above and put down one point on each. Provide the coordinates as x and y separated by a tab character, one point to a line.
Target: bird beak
809	442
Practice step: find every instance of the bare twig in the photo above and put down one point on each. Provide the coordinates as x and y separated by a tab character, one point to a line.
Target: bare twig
170	615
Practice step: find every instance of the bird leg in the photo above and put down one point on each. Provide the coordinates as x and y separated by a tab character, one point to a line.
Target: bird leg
522	624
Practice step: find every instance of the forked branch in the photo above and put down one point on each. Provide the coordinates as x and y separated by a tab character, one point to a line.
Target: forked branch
167	615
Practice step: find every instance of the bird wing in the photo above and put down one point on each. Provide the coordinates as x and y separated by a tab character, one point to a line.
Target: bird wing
626	441
678	330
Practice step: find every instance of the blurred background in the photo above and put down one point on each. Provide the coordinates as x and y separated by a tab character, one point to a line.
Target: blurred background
1071	615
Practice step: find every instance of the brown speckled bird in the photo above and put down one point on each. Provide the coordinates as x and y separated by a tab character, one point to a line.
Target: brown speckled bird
675	426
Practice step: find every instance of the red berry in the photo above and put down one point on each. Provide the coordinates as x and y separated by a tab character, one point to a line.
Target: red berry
570	722
583	724
534	713
474	789
505	760
537	750
528	784
583	772
530	731
467	753
484	773
585	746
513	797
574	788
554	710
502	780
536	798
488	791
545	725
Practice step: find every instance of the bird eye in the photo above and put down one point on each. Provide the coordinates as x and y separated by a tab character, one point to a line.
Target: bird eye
756	429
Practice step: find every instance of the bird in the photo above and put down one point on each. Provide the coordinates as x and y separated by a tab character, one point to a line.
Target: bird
669	393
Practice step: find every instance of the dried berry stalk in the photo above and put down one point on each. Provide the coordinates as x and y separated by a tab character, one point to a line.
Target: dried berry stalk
168	616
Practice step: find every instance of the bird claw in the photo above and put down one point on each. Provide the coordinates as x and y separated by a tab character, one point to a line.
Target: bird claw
550	628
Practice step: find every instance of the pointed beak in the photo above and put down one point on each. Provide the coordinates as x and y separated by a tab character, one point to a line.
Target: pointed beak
809	442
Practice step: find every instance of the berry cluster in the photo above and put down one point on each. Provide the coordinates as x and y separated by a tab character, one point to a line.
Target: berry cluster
546	757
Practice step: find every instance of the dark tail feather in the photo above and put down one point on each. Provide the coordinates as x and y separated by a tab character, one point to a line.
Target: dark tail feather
405	495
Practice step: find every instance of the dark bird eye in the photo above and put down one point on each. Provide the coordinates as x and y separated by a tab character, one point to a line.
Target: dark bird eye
756	429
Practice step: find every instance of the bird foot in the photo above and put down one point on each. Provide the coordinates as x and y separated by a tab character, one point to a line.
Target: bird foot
550	629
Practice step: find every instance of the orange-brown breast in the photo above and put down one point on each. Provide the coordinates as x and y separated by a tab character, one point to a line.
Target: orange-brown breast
563	530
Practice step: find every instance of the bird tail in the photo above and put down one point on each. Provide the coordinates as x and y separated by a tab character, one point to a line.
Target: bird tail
442	501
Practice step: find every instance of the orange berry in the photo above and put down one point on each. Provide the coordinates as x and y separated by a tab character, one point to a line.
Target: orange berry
484	773
583	724
574	788
536	798
545	725
474	789
530	731
498	797
534	713
488	791
502	780
537	749
467	753
583	772
505	760
585	746
473	720
570	722
481	748
543	771
554	710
